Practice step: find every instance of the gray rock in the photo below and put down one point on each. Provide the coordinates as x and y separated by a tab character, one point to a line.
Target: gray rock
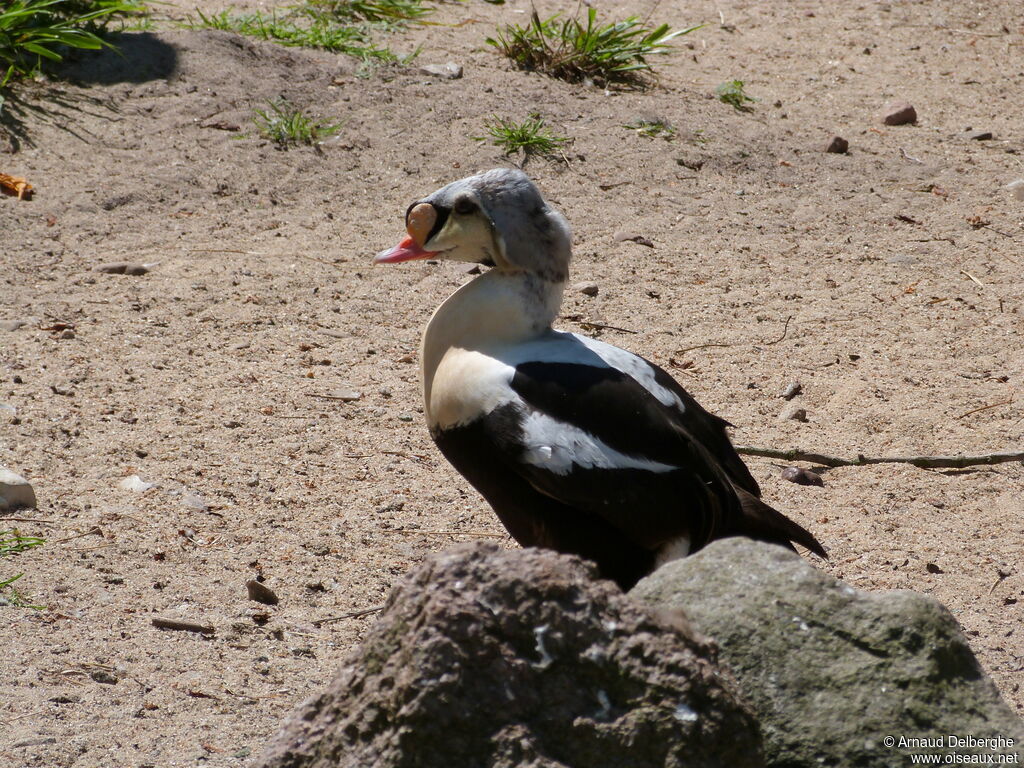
447	71
195	501
793	413
587	289
801	476
829	670
1016	188
899	113
346	395
15	491
123	268
792	389
837	145
135	483
502	658
12	325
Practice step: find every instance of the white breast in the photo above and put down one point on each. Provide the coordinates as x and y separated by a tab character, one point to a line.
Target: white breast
466	385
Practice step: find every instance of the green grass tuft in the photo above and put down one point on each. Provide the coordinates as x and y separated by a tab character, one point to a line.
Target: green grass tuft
33	31
387	12
573	50
287	126
298	32
13	543
731	92
653	129
531	137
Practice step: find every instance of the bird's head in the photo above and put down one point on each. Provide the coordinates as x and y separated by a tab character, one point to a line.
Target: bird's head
497	218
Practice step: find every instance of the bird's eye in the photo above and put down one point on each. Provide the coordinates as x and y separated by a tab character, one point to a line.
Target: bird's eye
464	205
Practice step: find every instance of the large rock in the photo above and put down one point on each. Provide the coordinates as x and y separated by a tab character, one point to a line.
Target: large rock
502	658
15	491
832	672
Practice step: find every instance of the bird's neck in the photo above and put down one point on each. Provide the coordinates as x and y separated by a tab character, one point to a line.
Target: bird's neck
497	309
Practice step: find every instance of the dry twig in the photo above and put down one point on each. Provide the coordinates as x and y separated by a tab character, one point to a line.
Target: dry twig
183	626
925	462
349	615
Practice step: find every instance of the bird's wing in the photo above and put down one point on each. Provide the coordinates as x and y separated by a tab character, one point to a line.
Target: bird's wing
595	438
709	430
682	409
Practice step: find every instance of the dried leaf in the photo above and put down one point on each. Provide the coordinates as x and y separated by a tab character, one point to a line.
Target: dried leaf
15	185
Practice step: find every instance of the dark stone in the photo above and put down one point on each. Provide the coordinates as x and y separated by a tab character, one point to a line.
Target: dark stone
260	592
832	671
503	658
802	476
978	135
837	145
123	268
899	113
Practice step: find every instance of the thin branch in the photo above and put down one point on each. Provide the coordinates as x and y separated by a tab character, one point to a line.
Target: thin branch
349	615
700	346
586	324
182	626
4	519
481	534
926	462
785	330
986	407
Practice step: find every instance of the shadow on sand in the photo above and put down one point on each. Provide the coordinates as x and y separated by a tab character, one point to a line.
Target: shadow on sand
136	57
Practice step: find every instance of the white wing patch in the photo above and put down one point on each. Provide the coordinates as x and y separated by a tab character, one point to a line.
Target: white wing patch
633	366
558	446
559	347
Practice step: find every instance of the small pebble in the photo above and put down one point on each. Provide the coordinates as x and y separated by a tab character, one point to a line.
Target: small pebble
977	135
469	269
103	676
447	71
587	289
793	389
1017	189
135	483
260	592
837	145
67	333
11	325
899	113
405	417
933	568
15	491
346	395
193	501
802	476
123	268
793	413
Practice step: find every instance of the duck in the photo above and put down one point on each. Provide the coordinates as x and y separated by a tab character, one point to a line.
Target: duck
577	445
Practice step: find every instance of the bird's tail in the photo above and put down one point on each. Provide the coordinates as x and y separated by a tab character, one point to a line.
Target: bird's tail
765	523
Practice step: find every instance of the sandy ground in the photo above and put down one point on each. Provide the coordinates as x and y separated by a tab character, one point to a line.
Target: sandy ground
897	266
